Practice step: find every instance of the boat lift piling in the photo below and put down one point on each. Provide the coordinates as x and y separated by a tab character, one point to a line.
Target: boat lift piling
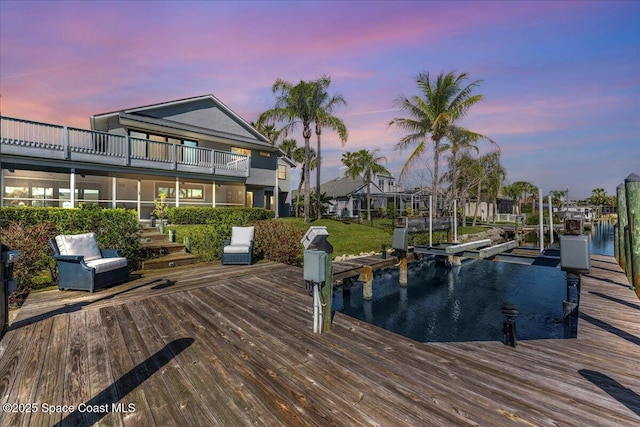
401	244
632	193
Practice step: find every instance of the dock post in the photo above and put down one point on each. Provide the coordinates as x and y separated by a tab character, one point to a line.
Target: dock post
327	294
541	220
616	243
366	276
627	251
510	311
550	221
632	193
403	269
622	222
570	306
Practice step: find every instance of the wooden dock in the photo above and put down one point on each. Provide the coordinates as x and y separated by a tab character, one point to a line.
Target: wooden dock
211	345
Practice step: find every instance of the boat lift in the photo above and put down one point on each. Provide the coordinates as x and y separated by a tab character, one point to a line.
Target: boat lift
506	252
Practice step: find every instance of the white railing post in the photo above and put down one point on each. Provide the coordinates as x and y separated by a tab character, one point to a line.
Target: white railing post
550	222
540	220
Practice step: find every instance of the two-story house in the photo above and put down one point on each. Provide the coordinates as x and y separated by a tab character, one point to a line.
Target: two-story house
195	151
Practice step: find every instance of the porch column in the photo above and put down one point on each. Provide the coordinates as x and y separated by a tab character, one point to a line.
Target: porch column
139	204
72	188
213	189
177	191
1	186
276	196
114	187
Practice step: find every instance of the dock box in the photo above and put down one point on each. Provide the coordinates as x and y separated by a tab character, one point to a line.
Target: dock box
401	239
574	253
314	265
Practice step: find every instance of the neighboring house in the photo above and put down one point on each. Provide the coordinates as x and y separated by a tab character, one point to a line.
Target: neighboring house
348	196
196	151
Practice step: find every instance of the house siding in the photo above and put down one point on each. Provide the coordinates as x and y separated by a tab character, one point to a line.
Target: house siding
106	181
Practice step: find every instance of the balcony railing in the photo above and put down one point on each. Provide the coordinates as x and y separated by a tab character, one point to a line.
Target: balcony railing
35	139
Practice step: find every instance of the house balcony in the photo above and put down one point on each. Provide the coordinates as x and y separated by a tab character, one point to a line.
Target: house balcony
46	141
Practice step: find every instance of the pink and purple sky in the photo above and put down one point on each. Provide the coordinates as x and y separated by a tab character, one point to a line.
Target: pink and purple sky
561	80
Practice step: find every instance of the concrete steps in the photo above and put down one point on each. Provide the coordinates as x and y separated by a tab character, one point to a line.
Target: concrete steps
173	254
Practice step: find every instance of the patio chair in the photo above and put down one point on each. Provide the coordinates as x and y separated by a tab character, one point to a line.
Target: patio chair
82	265
238	250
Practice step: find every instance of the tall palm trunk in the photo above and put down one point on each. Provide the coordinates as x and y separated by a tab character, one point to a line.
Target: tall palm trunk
306	134
369	200
478	193
302	179
436	168
318	161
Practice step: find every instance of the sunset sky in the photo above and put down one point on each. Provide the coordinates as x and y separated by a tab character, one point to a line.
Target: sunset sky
561	80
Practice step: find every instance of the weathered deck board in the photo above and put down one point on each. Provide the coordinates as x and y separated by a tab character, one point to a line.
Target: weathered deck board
211	345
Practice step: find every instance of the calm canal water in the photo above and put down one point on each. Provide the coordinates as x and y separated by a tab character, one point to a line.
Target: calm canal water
463	303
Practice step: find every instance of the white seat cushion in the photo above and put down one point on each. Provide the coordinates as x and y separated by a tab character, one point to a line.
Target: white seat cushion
236	249
241	236
79	244
107	264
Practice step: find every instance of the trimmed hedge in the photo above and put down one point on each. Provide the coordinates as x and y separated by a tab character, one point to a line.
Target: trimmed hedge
209	215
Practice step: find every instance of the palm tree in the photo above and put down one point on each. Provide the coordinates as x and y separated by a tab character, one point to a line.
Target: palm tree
495	178
445	101
520	190
491	175
288	147
367	164
295	153
598	196
458	142
325	118
297	104
267	130
514	193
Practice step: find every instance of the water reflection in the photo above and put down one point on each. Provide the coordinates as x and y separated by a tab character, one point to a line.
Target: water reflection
602	237
462	303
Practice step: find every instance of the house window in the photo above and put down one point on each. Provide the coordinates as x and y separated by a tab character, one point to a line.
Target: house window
249	199
192	191
282	172
166	188
230	195
158	138
239	150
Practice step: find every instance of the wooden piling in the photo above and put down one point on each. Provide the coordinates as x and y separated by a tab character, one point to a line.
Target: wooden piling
366	276
403	269
327	295
622	222
632	193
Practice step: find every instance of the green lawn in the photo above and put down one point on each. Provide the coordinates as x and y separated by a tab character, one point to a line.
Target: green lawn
351	238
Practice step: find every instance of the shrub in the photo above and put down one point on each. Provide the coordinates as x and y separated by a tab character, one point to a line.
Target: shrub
204	215
278	241
35	252
114	228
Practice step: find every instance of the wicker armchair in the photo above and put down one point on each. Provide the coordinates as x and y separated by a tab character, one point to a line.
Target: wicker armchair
238	250
82	265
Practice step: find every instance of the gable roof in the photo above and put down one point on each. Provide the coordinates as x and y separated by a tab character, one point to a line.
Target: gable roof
200	115
345	186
